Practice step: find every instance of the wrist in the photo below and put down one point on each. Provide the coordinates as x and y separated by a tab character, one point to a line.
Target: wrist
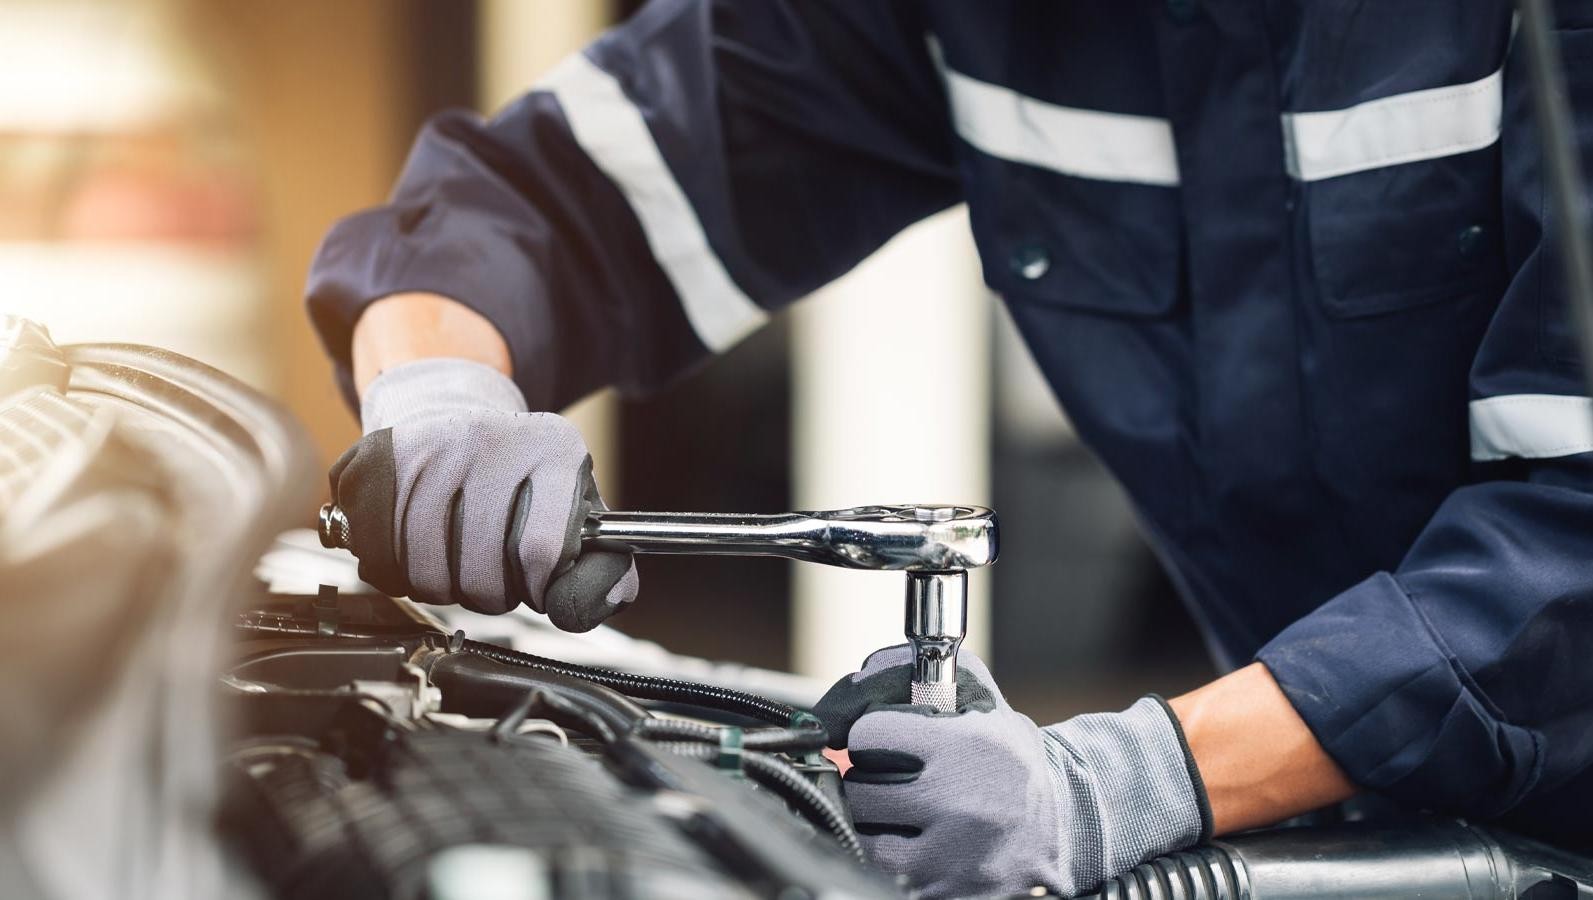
423	389
1257	758
401	328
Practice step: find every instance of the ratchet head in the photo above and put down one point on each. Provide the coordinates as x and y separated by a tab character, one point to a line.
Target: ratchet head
912	538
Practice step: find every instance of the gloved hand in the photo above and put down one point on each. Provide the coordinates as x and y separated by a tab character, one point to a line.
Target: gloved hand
982	802
456	494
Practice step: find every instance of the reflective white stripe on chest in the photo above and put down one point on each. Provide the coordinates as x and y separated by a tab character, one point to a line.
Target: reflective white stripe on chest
1402	128
1108	146
1085	143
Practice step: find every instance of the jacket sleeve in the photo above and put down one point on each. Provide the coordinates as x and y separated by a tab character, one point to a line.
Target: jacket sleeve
1462	682
656	195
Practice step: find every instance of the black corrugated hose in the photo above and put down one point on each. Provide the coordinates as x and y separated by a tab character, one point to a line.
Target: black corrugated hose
647	687
781	740
784	780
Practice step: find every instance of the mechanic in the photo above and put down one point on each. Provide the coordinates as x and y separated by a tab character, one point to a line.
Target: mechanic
1290	276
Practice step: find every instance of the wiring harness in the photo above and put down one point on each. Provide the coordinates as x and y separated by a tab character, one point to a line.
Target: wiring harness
481	677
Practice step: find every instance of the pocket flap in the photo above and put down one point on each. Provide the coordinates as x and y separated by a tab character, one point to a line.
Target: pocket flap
1091	246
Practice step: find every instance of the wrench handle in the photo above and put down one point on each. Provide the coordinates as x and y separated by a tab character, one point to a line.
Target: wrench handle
722	534
942	538
706	534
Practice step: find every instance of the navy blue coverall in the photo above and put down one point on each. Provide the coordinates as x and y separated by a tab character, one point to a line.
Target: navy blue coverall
1286	263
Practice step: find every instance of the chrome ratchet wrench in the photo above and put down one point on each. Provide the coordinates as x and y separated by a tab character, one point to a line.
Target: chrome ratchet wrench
935	545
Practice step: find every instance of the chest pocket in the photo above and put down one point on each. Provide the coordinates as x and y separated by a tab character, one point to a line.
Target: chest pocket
1066	153
1397	157
1406	235
1079	244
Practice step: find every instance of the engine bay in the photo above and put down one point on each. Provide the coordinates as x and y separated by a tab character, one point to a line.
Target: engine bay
378	751
202	707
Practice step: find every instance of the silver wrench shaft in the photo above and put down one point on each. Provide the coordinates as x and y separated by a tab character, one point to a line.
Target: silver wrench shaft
934	545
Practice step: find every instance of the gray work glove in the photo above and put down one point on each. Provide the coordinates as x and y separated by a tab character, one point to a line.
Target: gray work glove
456	494
981	802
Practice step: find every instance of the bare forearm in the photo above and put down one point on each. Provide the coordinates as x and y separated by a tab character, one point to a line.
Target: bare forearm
1259	760
405	327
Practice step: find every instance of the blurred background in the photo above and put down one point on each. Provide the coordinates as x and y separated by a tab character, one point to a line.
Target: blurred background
167	168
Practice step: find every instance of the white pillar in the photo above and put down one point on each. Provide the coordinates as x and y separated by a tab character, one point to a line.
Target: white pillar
518	41
891	404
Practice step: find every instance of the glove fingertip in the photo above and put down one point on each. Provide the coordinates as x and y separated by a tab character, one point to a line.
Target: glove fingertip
591	590
625	590
884	766
884	657
364	483
383	580
336	472
487	605
838	709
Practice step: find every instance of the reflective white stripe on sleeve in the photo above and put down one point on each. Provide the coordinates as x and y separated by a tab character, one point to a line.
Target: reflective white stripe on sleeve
1085	143
611	131
1392	130
1531	426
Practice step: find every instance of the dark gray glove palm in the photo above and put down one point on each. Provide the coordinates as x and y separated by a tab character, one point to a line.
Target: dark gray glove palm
456	494
982	802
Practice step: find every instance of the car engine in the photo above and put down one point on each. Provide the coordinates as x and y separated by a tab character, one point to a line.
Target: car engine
201	702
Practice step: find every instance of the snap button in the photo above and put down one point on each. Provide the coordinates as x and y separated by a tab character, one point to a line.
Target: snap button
1470	240
1031	262
1183	11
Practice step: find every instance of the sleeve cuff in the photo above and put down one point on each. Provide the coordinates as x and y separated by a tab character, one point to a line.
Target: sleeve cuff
395	249
1393	707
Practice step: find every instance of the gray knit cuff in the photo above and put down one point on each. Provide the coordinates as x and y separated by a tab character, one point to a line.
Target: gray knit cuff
1131	771
426	389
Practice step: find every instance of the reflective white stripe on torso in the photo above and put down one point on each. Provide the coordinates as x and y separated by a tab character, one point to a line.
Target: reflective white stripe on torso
1085	143
1530	426
1391	130
1108	146
611	131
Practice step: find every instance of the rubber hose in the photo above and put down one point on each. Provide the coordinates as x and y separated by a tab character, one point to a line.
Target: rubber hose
784	740
779	777
647	687
476	685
